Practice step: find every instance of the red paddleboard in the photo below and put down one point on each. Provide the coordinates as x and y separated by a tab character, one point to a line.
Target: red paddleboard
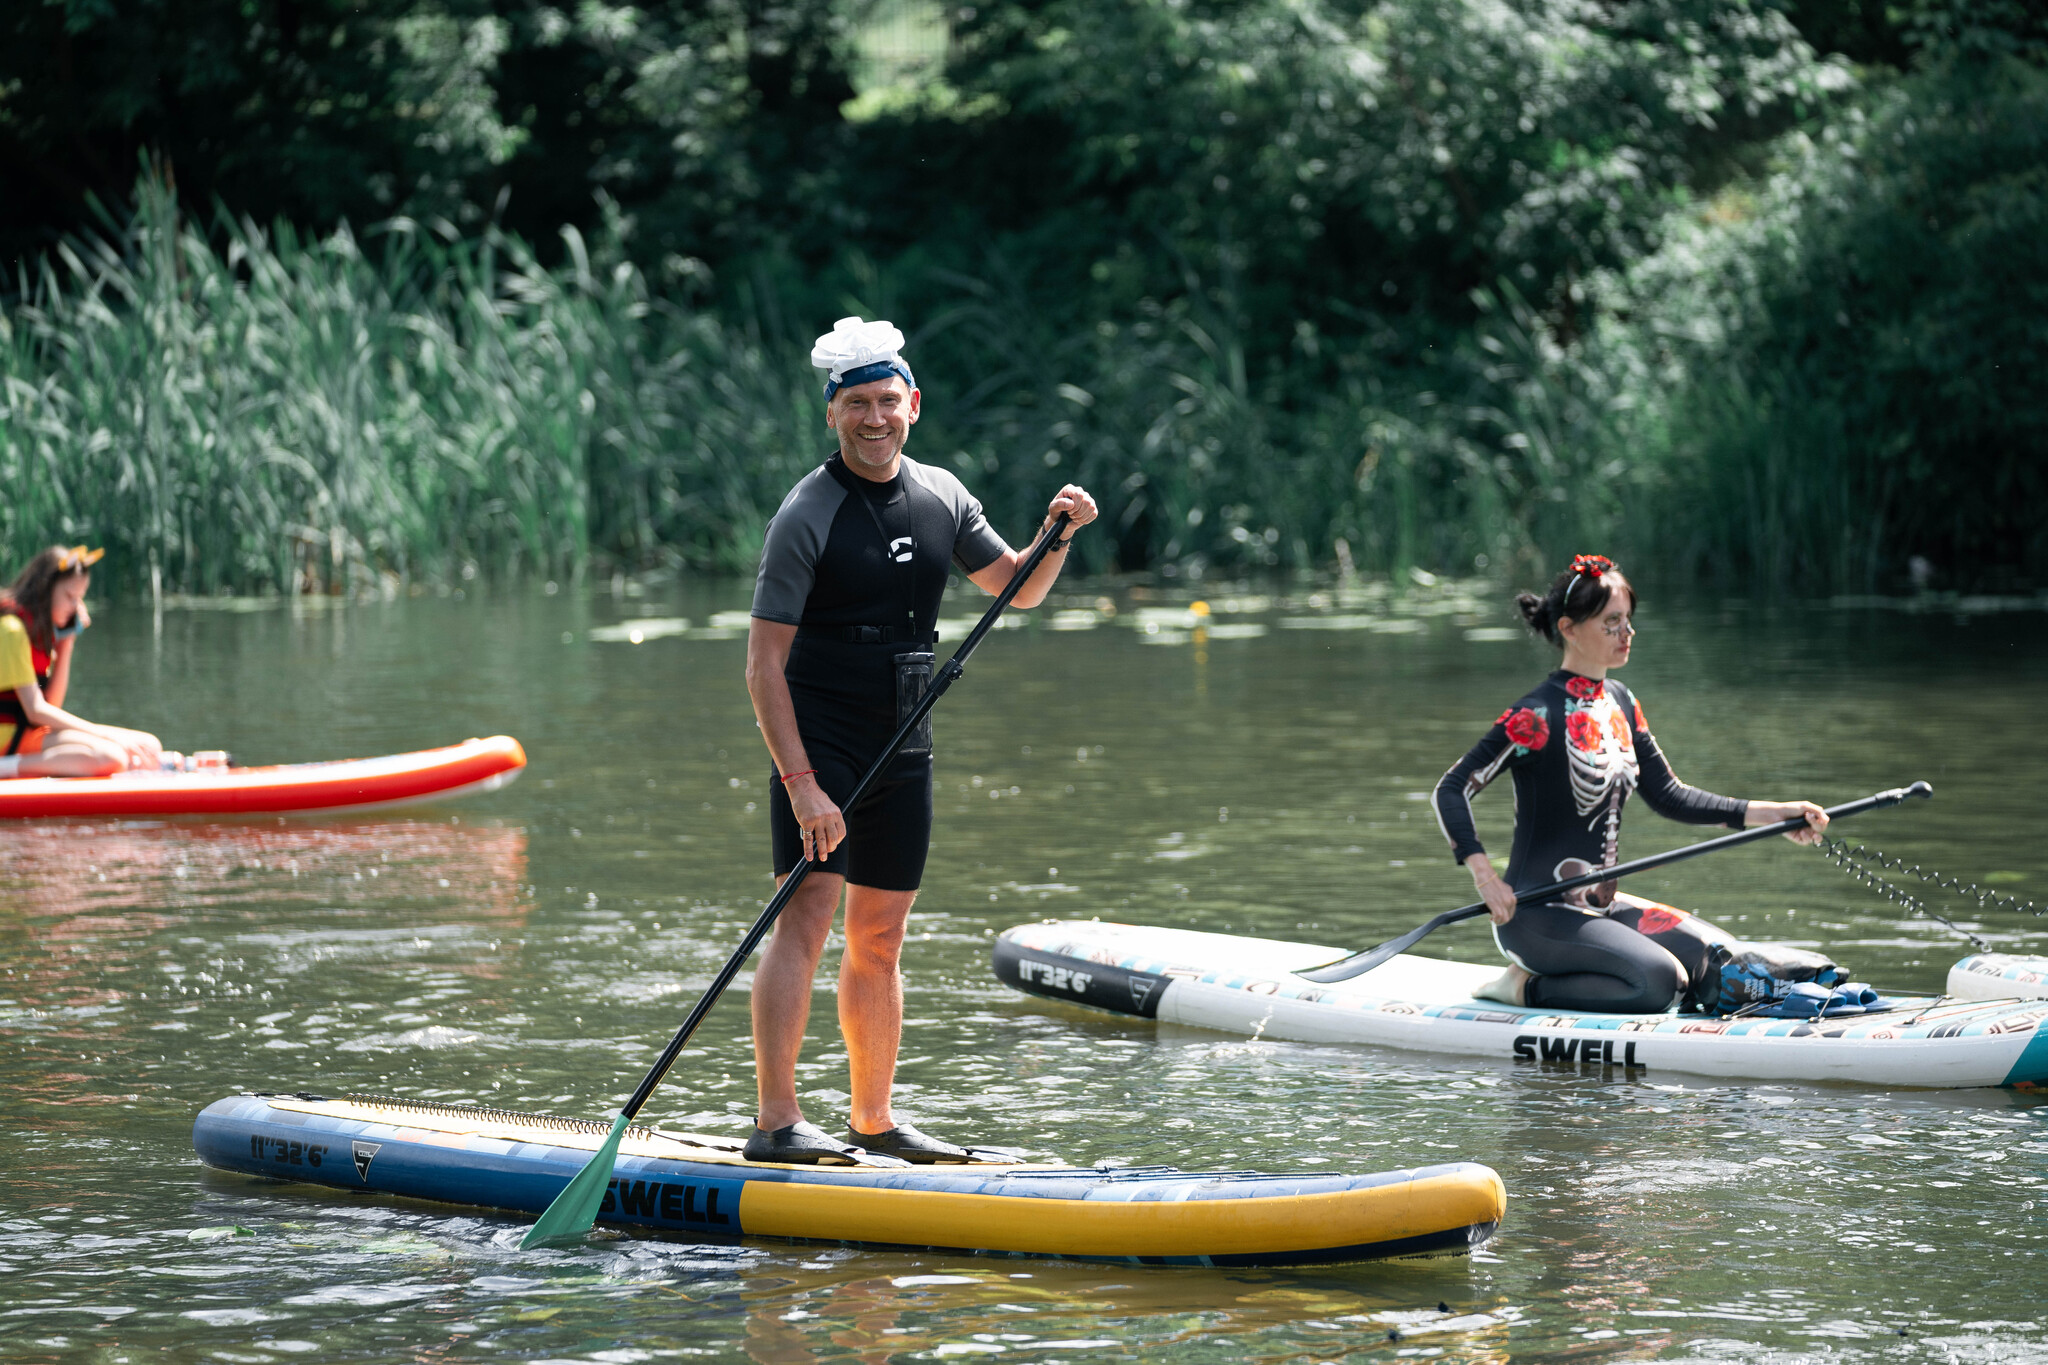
477	765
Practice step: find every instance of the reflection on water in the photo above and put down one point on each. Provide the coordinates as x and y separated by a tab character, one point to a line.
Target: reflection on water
1255	764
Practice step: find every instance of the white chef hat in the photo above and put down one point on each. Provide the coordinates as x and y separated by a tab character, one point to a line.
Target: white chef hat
857	352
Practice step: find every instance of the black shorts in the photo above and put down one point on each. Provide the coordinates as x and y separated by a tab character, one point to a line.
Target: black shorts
887	835
845	699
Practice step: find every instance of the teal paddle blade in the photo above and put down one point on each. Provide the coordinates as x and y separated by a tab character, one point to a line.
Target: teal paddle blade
575	1208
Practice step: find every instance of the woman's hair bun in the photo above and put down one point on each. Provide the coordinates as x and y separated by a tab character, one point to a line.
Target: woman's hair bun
1537	615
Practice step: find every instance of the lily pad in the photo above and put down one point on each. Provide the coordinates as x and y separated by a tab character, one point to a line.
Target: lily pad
219	1234
405	1244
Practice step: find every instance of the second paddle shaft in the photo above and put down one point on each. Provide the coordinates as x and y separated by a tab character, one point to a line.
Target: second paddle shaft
1358	964
1679	855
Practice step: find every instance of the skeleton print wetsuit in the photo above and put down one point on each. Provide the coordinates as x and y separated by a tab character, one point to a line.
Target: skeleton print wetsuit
1577	747
858	568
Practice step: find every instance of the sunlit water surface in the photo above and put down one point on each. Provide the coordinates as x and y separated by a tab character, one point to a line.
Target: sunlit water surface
1243	772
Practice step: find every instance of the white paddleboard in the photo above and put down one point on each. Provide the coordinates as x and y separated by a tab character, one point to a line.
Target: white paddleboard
1248	985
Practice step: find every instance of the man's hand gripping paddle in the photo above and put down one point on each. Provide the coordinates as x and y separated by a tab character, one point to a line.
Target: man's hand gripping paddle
575	1208
1358	964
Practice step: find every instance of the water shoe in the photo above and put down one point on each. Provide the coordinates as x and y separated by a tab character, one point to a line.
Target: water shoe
906	1143
803	1144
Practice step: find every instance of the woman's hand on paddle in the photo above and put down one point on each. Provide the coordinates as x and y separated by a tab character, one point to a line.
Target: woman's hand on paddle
1770	812
1493	889
823	824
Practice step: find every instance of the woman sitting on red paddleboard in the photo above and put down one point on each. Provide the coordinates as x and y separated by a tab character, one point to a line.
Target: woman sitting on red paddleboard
41	614
1577	746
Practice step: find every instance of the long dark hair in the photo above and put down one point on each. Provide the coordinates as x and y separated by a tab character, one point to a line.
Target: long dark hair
32	588
1578	594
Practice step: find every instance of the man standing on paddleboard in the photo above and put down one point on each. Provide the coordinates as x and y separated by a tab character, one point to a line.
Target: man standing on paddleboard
844	619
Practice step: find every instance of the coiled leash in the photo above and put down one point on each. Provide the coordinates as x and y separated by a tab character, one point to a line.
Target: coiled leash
1858	862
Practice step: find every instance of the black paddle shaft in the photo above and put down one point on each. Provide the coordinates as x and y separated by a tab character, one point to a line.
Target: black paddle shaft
944	679
1358	964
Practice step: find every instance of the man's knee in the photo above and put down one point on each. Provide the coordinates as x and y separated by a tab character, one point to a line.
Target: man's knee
807	919
875	923
876	947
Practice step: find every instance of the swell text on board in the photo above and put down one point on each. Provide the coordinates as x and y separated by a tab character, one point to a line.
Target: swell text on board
1582	1051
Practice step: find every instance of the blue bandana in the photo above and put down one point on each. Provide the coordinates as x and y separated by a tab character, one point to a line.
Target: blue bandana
868	374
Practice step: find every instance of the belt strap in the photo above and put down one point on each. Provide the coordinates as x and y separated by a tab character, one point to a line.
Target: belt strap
870	635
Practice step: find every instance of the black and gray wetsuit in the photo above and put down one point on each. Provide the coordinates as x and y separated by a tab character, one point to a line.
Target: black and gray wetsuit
1577	747
859	568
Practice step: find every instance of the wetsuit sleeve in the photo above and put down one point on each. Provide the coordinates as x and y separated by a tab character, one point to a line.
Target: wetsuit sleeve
1668	796
1519	733
977	546
17	664
975	543
790	550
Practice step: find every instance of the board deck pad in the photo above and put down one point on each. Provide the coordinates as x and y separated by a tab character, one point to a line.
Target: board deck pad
1251	985
703	1186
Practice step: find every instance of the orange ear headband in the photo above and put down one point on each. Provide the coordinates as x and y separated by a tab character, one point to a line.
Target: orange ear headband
78	557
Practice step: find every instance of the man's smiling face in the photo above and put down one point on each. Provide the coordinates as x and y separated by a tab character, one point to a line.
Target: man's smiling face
873	421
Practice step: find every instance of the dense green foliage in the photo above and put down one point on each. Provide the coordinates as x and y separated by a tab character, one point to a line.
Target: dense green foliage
1848	366
1452	282
700	115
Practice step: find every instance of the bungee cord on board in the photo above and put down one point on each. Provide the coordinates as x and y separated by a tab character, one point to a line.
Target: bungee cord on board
1855	859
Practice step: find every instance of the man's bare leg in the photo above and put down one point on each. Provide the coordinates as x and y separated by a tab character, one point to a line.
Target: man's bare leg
782	995
871	1000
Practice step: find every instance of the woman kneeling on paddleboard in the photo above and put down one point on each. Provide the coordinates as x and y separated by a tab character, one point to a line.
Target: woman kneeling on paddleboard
1577	745
41	614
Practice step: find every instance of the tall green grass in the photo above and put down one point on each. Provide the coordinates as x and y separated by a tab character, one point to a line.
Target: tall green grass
247	410
250	411
1483	460
258	412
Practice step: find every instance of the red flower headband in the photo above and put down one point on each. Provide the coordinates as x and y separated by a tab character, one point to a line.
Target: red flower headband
1587	566
1591	566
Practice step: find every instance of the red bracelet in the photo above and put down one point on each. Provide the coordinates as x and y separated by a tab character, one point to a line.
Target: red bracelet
784	777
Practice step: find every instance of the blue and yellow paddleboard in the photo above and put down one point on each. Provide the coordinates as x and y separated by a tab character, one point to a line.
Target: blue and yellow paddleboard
702	1187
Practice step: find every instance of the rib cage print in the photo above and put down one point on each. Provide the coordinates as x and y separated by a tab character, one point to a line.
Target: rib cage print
1602	760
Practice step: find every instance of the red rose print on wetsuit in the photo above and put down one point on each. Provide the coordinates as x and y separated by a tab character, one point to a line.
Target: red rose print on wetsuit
1641	724
1618	727
1584	730
1585	689
1527	728
1658	918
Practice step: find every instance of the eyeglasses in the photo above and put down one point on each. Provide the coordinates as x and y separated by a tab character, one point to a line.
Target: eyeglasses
78	557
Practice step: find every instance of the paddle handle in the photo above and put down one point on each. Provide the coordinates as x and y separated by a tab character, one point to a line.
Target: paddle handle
1358	964
952	669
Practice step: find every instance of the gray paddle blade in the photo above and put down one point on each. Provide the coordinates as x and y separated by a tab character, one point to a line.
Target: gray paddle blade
1358	964
574	1211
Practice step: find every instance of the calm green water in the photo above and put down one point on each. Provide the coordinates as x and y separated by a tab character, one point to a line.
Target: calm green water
533	948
